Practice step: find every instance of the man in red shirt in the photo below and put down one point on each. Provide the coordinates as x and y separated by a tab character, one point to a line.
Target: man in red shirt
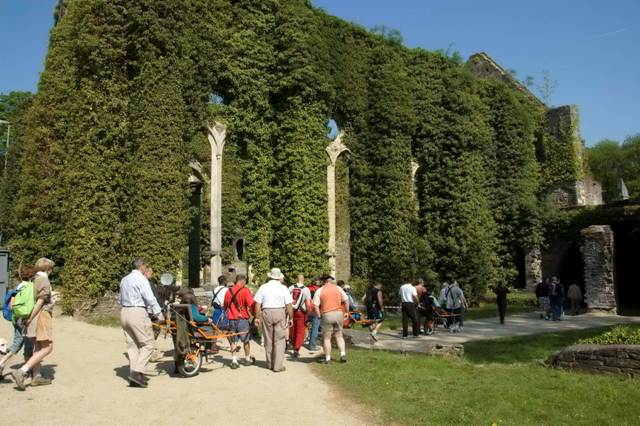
238	303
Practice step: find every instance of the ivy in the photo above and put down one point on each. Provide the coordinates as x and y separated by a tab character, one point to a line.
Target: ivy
124	102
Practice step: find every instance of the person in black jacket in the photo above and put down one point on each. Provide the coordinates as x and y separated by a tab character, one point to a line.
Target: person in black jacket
501	292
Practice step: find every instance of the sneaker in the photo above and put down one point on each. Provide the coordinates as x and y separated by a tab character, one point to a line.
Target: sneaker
18	376
324	361
343	358
235	365
40	381
374	337
295	354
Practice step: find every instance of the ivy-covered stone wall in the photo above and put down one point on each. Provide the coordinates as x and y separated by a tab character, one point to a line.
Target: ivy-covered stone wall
127	92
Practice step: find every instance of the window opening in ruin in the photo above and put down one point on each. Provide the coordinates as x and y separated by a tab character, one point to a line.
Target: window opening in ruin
240	249
332	129
216	98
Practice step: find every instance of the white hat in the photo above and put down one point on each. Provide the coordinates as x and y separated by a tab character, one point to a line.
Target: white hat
275	274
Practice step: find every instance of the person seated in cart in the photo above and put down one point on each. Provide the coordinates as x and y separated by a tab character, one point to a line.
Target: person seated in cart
189	298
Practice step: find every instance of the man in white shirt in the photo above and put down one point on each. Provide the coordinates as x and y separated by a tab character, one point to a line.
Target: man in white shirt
136	298
409	299
273	306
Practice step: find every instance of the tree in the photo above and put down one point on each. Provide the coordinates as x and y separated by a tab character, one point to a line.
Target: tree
605	160
547	87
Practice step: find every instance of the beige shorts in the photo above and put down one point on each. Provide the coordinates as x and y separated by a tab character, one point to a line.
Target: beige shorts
331	322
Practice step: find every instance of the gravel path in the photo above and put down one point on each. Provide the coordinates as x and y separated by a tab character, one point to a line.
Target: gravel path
89	366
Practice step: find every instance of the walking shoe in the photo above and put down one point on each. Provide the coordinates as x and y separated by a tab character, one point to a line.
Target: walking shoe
343	358
324	361
155	357
40	381
374	337
137	380
295	354
18	376
235	365
246	362
281	370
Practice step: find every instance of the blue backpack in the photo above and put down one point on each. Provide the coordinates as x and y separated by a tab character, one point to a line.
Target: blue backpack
6	306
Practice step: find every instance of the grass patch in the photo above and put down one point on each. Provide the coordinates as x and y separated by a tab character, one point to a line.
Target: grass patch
620	335
528	348
496	382
105	320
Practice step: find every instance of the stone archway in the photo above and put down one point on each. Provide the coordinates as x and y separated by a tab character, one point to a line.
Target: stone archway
334	150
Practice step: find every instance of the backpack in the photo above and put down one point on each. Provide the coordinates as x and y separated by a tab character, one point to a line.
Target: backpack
24	301
296	294
6	306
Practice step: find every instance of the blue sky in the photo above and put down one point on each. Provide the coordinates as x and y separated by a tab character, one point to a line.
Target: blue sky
589	46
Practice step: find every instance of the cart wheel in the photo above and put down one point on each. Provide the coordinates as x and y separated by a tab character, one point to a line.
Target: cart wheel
190	365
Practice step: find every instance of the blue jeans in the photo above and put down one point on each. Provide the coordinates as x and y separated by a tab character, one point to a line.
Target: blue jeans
313	336
19	339
556	309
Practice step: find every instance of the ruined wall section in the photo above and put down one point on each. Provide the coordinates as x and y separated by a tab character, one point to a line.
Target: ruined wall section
598	253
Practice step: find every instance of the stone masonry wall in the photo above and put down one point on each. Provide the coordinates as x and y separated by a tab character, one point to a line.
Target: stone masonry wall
533	268
618	359
597	252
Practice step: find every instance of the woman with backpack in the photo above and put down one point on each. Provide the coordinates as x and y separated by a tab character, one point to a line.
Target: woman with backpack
301	302
25	274
39	326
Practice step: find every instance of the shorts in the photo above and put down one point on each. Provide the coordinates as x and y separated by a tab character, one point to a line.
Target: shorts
44	327
545	303
240	326
332	322
375	315
20	340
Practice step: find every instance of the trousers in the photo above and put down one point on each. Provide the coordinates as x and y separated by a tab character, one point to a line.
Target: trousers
409	313
139	336
502	310
299	330
315	330
274	328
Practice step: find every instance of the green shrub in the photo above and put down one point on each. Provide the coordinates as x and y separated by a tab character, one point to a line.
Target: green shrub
620	335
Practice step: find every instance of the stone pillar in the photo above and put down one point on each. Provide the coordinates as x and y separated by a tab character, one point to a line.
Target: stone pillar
598	254
333	150
216	135
533	268
414	169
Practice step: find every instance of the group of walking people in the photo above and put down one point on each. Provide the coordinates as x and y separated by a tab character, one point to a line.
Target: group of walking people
282	313
551	298
29	307
418	306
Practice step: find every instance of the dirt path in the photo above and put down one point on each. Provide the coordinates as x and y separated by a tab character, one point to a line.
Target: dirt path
89	366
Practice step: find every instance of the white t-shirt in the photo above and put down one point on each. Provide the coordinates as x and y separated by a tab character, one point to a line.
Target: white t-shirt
273	295
219	293
407	291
